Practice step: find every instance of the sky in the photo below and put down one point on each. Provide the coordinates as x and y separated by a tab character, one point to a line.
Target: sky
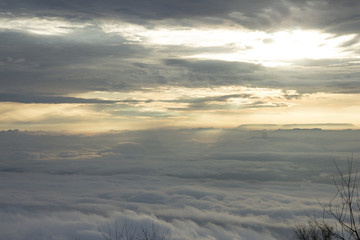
95	66
212	119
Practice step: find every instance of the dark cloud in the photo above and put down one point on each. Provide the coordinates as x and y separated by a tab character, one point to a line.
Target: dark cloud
51	65
336	16
313	76
214	72
139	9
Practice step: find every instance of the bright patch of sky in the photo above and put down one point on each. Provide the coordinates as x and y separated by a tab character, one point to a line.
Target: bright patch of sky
269	49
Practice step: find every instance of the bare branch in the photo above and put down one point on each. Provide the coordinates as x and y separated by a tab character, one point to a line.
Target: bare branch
344	208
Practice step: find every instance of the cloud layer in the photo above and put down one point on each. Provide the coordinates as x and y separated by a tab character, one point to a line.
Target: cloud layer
197	183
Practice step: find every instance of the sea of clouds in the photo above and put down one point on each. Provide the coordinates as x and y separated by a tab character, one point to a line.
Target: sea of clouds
196	183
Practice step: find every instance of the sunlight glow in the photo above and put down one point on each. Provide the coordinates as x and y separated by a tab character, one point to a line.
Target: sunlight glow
269	49
282	47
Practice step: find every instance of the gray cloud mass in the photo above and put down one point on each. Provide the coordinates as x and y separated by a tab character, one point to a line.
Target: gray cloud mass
337	16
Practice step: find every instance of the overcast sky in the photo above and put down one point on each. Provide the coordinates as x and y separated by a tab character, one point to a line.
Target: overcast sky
201	116
114	65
